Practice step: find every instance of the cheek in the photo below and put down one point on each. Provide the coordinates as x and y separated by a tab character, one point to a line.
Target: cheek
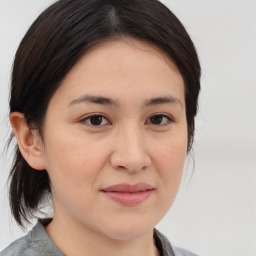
72	164
170	153
171	165
169	160
73	170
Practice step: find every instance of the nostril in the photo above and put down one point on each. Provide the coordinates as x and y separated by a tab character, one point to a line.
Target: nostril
130	160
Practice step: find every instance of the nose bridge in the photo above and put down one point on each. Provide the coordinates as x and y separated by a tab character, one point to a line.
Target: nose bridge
133	140
130	152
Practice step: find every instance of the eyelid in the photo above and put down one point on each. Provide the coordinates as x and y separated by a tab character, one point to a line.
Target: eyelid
169	117
88	116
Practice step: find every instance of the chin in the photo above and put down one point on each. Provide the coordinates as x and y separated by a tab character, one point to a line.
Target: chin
128	230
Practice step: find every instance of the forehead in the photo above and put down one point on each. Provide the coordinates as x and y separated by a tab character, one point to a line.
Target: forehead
112	49
120	68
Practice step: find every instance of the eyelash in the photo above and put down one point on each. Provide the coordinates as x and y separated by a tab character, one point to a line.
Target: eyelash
85	119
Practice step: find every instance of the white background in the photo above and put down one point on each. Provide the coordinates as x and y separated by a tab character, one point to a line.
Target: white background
215	212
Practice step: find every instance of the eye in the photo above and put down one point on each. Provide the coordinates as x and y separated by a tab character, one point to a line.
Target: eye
159	119
95	120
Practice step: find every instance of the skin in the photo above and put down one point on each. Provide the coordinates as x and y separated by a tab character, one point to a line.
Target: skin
127	146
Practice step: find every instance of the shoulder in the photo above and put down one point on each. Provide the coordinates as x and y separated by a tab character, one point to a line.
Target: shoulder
182	252
167	249
20	247
35	243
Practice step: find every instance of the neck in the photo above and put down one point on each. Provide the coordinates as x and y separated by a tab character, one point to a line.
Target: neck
86	241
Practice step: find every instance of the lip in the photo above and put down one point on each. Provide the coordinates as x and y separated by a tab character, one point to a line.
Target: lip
129	195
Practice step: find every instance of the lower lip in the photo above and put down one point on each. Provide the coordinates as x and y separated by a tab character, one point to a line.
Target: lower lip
129	199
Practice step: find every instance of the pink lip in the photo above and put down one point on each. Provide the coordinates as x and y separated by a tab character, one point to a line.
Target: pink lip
127	194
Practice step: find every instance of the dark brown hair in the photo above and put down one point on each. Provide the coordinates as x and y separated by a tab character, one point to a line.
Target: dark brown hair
54	43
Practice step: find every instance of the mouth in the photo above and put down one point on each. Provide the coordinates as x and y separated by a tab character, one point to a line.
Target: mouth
128	195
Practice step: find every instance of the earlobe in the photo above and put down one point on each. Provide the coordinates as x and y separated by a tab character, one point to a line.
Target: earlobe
28	141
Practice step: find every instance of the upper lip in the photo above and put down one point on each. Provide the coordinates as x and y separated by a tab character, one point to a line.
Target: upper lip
127	188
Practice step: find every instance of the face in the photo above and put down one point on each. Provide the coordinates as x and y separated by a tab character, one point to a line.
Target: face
115	140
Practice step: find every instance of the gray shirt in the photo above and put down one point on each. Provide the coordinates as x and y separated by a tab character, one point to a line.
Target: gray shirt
38	243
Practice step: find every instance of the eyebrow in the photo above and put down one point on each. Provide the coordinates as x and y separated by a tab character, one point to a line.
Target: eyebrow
94	99
110	102
163	100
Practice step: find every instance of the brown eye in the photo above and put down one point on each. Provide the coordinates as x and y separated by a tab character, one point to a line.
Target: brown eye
95	120
159	119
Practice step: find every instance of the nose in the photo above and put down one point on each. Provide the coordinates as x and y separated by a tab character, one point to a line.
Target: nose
130	151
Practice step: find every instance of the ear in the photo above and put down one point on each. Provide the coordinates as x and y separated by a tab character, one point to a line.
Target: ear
29	141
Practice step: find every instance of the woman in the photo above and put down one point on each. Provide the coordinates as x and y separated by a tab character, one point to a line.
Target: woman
103	100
